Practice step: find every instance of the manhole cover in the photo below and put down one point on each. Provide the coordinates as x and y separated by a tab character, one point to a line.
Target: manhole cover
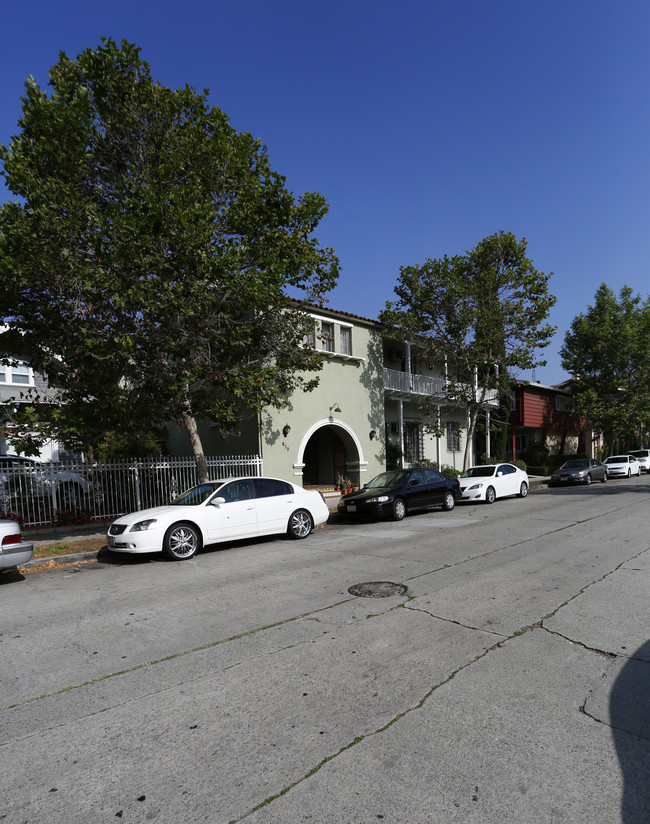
377	589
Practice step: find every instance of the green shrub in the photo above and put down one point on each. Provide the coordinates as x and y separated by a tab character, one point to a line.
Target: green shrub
450	472
520	464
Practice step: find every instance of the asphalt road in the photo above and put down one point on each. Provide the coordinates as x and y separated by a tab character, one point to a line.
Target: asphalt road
510	683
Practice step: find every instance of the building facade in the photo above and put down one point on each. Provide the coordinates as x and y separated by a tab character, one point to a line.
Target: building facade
363	415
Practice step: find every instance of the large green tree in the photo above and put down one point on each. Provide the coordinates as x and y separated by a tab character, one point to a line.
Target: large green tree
148	263
482	315
608	349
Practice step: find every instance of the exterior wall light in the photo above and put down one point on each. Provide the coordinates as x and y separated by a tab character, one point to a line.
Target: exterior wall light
373	434
286	429
335	407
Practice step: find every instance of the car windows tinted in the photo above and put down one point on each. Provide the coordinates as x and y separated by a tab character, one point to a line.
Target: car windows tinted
270	487
417	477
433	476
507	469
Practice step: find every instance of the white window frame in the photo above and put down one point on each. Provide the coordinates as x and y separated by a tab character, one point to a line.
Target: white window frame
20	368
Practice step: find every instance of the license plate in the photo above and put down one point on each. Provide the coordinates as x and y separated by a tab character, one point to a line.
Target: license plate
351	508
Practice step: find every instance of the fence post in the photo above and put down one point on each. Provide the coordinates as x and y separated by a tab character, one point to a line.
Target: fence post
136	477
52	489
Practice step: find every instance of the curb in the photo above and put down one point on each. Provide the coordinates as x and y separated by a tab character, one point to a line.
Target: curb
61	559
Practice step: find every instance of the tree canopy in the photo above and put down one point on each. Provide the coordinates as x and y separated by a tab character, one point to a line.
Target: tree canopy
149	259
607	348
482	314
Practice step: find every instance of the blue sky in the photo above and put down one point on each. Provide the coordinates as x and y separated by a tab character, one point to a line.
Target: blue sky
426	125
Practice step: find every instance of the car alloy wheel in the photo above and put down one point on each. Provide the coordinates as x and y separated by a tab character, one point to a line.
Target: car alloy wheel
588	479
523	489
448	502
299	524
181	542
490	495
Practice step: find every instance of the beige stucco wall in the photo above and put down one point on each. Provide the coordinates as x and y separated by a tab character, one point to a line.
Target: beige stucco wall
354	384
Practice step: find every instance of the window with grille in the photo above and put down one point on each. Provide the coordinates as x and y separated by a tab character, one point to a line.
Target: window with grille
453	436
413	442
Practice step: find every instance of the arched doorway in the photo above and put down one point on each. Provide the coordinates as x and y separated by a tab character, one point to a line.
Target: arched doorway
330	451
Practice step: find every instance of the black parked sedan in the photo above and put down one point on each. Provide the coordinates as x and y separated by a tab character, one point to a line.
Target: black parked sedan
579	471
399	491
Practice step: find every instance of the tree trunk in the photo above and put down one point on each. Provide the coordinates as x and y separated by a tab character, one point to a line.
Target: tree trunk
470	434
189	421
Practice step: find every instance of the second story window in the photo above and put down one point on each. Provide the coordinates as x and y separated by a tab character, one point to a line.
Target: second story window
19	373
346	340
309	339
327	336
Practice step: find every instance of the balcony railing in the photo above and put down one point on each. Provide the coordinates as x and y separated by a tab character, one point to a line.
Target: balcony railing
397	382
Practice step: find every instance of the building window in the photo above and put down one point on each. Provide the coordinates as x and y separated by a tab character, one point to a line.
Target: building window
413	442
346	340
521	442
564	404
327	336
453	436
19	373
309	339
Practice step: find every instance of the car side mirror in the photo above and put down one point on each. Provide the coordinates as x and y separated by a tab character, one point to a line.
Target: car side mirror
499	474
217	501
414	482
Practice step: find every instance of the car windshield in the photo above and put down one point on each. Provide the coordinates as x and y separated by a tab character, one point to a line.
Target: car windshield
394	478
575	465
617	459
479	472
197	495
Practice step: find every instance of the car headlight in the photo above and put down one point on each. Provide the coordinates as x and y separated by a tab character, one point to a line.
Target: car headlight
380	499
142	525
476	486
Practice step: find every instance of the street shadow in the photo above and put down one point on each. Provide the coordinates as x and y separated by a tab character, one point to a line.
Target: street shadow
11	576
629	710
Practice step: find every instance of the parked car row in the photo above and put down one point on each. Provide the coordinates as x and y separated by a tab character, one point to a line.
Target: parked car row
587	470
248	507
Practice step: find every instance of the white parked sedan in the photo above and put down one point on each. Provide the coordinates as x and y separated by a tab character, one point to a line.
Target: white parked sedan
219	511
13	550
622	466
492	481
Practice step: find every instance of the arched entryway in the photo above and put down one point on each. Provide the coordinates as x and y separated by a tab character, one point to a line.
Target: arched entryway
330	450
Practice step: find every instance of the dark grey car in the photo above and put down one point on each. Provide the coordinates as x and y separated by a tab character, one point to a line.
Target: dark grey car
579	471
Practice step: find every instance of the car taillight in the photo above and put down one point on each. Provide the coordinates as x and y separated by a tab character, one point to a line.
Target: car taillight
12	539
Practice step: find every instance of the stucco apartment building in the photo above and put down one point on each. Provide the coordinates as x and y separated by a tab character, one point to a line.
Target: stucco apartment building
364	412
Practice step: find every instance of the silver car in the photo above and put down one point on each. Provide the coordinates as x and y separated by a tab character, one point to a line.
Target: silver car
13	550
579	471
